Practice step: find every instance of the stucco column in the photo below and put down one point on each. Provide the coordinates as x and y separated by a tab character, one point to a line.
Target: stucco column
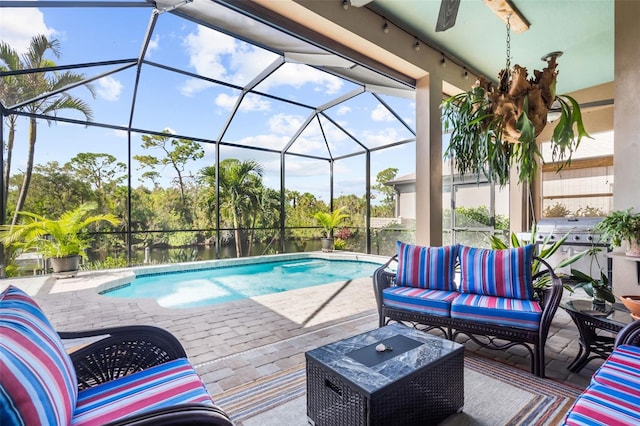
626	148
428	161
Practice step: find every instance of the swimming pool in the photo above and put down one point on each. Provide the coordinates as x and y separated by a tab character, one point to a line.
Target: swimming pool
184	289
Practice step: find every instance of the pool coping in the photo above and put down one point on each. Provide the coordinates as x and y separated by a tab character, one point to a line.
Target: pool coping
107	279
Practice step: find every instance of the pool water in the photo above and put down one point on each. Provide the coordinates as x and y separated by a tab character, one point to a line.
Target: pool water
225	284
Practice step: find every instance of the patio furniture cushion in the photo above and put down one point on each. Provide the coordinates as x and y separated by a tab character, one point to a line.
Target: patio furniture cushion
621	370
500	273
605	405
434	302
38	383
503	311
165	385
426	267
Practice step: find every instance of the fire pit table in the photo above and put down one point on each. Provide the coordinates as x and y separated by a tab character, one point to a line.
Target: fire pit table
417	380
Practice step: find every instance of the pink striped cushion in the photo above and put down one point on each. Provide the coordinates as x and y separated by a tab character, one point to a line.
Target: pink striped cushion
164	385
38	385
426	267
433	302
503	311
605	405
500	273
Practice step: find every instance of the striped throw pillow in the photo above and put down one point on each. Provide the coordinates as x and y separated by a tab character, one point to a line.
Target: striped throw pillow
501	273
38	382
426	267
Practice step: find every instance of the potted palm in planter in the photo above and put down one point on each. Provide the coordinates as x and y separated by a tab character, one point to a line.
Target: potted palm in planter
622	226
329	221
61	240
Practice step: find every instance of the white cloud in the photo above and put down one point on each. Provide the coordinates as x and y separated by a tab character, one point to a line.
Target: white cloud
285	124
249	103
343	110
264	141
297	75
19	25
381	113
109	88
380	138
221	57
154	44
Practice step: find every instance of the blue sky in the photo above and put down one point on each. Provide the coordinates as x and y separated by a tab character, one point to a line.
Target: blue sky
198	108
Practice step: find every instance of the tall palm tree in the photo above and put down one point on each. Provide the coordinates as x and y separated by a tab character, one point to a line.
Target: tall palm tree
240	191
30	86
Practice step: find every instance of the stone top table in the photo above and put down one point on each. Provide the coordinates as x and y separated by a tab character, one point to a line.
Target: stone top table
419	381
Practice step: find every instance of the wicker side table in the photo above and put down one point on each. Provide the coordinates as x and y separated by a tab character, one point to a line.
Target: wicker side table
421	381
591	320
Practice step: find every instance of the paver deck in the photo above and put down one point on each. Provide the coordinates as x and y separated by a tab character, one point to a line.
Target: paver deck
235	343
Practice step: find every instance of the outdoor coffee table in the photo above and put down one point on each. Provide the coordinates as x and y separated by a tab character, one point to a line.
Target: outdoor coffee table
591	320
420	381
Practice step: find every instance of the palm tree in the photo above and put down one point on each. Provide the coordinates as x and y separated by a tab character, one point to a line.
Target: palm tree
25	87
240	190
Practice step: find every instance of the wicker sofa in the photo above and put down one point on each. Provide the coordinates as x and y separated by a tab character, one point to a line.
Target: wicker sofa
613	397
495	304
126	375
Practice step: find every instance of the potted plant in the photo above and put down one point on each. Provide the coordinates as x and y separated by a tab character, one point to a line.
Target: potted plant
329	221
622	226
61	240
494	126
597	288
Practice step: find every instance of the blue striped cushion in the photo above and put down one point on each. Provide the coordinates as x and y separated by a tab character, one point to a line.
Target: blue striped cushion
434	302
497	310
426	267
164	385
605	405
501	273
38	385
622	369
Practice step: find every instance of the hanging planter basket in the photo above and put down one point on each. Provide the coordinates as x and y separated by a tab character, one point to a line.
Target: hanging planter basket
494	126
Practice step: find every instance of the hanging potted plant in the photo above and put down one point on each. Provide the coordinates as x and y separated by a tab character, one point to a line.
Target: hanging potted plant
61	240
622	226
494	126
329	221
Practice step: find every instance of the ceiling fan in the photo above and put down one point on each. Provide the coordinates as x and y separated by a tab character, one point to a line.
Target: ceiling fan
502	8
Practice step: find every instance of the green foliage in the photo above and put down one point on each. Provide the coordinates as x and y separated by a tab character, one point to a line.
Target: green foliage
545	250
621	225
594	287
478	144
108	263
61	237
329	221
339	244
556	210
386	208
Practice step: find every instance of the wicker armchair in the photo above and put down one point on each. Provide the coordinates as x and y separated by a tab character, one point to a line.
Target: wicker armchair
121	351
136	375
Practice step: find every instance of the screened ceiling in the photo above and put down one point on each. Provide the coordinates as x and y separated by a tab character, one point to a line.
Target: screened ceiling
200	70
212	74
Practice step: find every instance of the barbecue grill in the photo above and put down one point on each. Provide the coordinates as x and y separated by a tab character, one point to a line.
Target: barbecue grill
582	235
582	230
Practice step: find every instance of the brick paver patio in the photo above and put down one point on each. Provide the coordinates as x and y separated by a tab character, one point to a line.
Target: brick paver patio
235	343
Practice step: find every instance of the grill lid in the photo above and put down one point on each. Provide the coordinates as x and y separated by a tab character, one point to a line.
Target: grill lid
582	230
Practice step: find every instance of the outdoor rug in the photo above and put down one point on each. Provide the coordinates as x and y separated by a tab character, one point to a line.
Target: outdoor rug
495	394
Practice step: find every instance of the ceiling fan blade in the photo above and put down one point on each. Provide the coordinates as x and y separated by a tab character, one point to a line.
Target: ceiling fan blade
447	15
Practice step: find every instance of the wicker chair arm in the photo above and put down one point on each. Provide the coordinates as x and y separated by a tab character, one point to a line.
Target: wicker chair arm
629	335
120	351
184	414
383	279
550	299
